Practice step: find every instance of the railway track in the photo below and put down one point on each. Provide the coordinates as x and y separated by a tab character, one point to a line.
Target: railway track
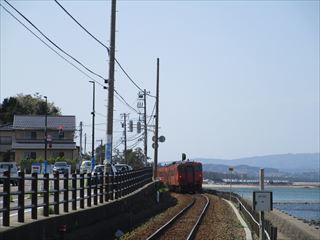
184	225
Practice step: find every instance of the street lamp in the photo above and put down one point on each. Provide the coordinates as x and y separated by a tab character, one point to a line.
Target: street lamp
45	136
93	115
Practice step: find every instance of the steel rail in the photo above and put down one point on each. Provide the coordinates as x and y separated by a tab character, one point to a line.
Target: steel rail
197	224
195	227
164	227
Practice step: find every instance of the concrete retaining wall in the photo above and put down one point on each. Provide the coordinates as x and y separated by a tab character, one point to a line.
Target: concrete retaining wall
91	223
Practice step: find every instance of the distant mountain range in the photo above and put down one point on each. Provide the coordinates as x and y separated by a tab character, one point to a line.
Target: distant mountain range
300	162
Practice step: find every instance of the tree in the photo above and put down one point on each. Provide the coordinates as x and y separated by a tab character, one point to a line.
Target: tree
25	105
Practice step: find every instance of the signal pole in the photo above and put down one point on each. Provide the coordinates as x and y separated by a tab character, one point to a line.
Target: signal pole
125	136
111	84
145	127
157	125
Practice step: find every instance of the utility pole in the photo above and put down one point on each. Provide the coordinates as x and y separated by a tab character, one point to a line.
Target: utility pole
261	229
80	140
157	125
111	84
85	143
45	136
124	115
100	154
145	127
93	115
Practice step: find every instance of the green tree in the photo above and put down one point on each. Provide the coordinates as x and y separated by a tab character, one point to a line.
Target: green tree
135	158
25	105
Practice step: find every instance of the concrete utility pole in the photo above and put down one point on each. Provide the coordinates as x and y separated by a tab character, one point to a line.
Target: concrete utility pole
93	115
145	127
261	229
45	136
85	143
157	125
124	115
80	140
111	84
100	154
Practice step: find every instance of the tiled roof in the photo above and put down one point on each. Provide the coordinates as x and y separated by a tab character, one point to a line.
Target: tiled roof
6	127
38	122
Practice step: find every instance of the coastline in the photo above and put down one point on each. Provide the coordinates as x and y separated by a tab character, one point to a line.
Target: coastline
293	185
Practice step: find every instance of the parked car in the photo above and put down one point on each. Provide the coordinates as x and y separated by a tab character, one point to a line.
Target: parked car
123	167
5	166
60	167
99	169
85	167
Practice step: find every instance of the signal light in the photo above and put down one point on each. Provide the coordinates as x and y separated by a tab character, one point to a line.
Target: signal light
138	127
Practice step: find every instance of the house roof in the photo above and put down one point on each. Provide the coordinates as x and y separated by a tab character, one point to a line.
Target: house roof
6	127
38	122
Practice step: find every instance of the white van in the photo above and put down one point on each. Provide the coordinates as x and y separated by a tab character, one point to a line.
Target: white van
85	167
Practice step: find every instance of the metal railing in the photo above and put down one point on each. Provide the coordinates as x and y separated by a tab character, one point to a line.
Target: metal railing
53	194
251	216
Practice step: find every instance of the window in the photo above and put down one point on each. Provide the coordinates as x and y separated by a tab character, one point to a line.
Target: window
33	135
30	155
33	155
5	140
61	154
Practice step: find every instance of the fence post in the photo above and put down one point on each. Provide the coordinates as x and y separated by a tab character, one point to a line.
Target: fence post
21	197
116	182
111	182
74	191
34	198
81	190
6	199
56	193
95	190
66	192
89	190
46	194
100	180
106	187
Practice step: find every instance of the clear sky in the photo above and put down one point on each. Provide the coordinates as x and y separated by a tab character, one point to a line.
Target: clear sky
236	78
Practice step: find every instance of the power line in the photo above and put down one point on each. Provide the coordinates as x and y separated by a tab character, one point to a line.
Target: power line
124	71
48	44
126	102
154	107
73	58
80	25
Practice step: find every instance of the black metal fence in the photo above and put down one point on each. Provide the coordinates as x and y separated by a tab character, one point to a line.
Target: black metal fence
251	216
50	193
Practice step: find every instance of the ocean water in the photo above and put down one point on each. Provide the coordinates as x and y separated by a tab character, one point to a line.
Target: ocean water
299	202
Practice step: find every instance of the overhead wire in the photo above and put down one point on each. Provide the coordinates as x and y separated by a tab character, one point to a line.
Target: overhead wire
108	49
126	102
8	11
53	43
51	48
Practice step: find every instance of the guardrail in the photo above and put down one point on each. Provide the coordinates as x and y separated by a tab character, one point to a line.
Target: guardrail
250	215
99	188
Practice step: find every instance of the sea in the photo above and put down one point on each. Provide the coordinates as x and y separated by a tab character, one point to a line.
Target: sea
301	202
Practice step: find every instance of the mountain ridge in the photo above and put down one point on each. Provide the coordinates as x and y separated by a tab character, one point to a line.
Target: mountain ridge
285	162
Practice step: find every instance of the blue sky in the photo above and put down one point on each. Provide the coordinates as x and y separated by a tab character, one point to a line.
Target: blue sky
236	78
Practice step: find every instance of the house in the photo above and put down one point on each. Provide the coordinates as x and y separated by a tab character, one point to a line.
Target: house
28	137
6	135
